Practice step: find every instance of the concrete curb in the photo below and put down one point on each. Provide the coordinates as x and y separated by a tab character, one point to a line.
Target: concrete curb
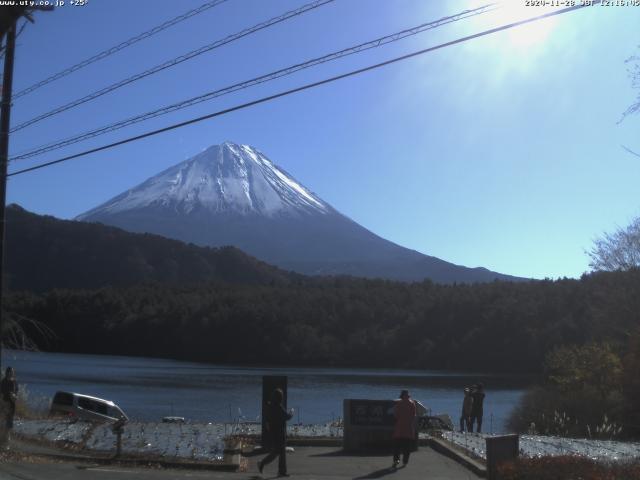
232	463
132	462
445	448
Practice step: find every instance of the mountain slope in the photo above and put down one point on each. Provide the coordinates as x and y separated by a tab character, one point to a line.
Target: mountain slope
234	195
44	252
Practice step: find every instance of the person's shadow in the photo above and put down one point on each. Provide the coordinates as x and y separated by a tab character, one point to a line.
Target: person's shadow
378	473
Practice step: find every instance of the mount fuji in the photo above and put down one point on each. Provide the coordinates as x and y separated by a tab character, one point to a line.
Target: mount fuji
234	195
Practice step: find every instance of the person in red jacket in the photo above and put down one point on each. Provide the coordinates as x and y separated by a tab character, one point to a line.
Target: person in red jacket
404	431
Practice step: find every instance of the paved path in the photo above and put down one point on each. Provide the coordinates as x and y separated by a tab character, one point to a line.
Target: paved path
330	463
307	463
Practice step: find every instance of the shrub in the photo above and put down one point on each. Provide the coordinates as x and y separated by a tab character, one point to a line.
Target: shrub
582	397
31	406
568	414
566	468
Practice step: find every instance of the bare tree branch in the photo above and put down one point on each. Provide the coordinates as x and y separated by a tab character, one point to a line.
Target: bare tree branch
14	331
633	69
619	250
630	151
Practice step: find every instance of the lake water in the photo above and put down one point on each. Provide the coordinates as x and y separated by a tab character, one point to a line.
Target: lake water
148	388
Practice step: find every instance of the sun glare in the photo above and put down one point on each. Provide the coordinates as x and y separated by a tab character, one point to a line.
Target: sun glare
520	37
529	34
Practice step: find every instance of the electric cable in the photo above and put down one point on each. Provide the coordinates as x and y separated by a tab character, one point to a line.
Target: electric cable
110	51
252	82
173	62
304	87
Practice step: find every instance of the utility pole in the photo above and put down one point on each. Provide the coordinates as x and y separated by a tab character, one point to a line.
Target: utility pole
8	21
9	15
5	122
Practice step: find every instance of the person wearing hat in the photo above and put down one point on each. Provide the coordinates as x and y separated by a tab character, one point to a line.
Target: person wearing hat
467	408
404	431
477	410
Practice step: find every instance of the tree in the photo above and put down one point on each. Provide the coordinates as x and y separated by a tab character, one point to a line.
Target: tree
595	366
631	383
582	395
619	250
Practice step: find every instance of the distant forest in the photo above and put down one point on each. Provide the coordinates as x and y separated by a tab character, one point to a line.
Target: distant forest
262	315
346	322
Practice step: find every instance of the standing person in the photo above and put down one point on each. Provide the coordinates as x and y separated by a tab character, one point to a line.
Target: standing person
476	410
404	432
277	418
9	391
467	408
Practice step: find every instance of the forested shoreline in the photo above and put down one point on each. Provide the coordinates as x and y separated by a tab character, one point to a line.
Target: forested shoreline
499	326
87	288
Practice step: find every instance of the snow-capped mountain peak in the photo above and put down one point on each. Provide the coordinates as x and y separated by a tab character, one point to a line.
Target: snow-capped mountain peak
232	194
223	178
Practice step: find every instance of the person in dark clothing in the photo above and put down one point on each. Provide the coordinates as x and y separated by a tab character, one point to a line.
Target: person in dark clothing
276	419
9	392
467	407
476	410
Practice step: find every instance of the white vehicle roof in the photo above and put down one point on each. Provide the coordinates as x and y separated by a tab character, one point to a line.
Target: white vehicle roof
109	402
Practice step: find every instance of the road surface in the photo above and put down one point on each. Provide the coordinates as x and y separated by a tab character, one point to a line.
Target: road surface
306	463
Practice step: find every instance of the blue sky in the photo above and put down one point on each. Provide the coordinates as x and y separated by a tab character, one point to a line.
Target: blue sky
503	152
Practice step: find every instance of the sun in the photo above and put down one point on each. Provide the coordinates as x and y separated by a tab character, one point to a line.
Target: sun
521	37
529	34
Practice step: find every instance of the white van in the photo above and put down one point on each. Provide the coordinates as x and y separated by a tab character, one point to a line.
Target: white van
85	407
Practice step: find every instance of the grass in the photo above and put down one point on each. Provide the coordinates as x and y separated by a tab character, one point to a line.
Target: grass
30	406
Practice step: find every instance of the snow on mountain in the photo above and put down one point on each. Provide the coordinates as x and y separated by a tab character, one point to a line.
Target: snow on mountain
223	178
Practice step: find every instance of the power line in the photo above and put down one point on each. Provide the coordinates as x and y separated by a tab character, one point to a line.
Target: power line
253	82
127	43
302	88
175	61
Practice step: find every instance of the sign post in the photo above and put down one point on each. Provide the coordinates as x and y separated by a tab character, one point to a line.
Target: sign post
499	449
368	425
